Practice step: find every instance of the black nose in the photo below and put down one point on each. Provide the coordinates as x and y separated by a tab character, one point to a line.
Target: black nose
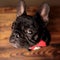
14	37
12	40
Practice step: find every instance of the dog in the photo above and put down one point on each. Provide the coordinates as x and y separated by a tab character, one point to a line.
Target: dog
27	30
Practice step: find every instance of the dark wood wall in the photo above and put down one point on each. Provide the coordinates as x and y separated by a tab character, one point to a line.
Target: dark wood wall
13	3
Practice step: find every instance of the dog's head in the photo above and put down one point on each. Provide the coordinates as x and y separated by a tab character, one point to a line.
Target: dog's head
26	29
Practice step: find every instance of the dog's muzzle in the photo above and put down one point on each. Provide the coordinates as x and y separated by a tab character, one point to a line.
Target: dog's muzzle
14	39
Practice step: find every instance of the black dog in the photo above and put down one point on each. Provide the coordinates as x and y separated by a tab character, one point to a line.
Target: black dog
28	30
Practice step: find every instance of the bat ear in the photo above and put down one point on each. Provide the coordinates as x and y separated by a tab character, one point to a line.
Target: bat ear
21	7
45	9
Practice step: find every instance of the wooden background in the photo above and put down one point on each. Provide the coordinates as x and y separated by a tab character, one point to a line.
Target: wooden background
13	3
8	15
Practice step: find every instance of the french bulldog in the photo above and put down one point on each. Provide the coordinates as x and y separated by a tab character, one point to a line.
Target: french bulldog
27	30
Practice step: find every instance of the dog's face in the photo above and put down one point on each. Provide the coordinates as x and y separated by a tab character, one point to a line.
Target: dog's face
24	32
26	29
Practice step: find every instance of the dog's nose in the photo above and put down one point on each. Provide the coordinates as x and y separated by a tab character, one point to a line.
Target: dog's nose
14	37
12	40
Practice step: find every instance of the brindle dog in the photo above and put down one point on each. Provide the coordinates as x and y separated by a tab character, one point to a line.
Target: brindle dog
28	30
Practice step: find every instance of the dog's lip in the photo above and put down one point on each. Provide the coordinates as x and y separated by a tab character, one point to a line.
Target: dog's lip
14	45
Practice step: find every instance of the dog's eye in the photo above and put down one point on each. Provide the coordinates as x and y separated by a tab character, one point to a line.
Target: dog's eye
29	32
17	36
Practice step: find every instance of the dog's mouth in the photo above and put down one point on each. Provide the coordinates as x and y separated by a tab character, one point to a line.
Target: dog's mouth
16	45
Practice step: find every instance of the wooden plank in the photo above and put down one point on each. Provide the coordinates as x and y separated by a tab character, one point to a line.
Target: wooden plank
14	53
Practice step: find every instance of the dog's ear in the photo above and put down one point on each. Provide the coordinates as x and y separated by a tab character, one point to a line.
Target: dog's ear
21	8
44	12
